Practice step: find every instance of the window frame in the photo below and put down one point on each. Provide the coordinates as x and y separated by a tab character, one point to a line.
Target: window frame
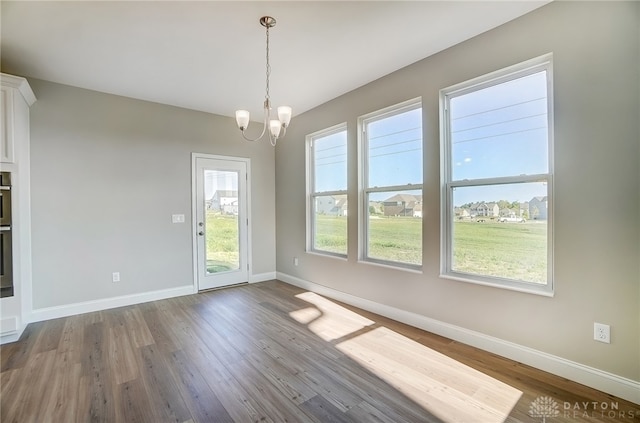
312	194
365	190
523	69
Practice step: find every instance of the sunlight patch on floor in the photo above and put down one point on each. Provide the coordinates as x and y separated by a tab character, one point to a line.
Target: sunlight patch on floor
448	389
306	315
331	320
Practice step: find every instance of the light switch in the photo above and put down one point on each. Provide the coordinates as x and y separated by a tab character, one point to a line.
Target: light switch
177	218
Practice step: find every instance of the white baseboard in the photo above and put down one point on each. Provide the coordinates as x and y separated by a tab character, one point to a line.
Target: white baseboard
10	330
9	338
261	277
604	381
8	326
49	313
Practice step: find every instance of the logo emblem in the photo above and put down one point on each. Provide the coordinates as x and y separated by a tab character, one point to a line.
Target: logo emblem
544	407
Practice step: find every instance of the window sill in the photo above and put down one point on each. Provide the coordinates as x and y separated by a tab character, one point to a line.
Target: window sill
542	291
327	254
393	266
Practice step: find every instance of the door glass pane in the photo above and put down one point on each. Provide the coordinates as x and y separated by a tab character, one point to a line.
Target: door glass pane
222	230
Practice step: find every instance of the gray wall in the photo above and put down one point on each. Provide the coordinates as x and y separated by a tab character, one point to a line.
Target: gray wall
107	174
597	186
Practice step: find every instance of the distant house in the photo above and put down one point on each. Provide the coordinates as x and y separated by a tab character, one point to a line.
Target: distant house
341	206
324	204
507	213
462	212
538	208
485	209
231	208
375	207
335	205
417	210
225	201
401	205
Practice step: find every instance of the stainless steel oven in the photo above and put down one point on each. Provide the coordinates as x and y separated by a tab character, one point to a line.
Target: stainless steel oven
6	261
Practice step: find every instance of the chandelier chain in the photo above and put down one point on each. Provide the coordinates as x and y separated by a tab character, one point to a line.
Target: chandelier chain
268	66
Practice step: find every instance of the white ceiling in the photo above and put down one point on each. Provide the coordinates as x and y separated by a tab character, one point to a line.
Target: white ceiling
210	55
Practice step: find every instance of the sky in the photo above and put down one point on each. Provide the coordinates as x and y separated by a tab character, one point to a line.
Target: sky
500	131
215	180
495	132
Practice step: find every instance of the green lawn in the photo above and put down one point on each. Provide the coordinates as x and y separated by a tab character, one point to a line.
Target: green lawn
331	234
507	250
391	238
222	242
396	239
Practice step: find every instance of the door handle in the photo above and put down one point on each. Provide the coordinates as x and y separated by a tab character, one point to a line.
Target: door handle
201	233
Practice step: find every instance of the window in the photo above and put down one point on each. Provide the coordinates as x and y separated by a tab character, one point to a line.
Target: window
497	178
327	187
391	181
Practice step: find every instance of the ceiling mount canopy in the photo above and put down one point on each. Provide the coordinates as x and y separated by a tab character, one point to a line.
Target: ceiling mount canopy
268	21
277	127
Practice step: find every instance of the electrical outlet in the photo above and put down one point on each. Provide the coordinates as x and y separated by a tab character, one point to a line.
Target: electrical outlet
602	333
115	277
295	261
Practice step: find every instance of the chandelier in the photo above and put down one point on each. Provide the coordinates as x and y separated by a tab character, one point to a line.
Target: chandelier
276	126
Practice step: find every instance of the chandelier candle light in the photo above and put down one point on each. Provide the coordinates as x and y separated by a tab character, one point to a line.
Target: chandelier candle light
284	112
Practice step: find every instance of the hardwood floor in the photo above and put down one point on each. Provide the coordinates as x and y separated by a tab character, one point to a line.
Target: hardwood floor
271	352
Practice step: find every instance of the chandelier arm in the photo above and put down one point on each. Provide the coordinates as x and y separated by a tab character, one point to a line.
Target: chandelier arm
255	139
267	115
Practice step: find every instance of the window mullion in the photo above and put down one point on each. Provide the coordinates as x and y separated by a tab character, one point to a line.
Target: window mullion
500	180
409	187
328	193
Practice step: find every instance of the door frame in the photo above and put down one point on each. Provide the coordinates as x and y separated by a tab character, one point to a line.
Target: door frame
194	211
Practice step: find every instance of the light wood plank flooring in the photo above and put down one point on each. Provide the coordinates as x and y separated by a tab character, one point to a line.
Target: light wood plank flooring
270	352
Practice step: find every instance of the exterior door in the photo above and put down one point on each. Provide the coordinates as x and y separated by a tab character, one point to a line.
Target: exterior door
221	220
